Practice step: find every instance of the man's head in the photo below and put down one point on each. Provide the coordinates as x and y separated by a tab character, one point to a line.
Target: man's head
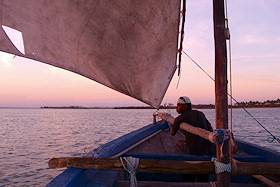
183	104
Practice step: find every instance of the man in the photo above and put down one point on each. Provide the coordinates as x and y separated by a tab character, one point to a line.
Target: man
193	144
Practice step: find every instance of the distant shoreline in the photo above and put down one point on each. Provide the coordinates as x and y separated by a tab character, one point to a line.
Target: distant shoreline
148	107
136	107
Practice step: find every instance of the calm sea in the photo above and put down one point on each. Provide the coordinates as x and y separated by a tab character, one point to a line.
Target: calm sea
30	137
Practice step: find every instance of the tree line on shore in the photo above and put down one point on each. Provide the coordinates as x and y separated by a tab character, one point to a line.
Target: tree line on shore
248	104
267	103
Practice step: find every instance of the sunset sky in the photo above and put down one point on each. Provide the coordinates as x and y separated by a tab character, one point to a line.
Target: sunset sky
255	42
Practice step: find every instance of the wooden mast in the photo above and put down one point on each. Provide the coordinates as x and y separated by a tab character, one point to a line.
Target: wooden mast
221	101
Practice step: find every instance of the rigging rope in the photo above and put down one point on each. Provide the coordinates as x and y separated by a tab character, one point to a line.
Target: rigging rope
179	78
199	66
229	44
183	12
230	73
270	139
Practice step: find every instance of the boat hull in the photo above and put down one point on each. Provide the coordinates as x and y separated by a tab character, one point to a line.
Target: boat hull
154	142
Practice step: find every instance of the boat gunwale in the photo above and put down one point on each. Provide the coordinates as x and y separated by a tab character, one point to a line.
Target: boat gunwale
73	175
110	149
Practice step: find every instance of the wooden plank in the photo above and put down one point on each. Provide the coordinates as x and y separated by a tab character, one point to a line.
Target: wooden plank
255	168
145	165
162	142
194	130
275	178
136	144
162	184
166	166
266	180
262	178
181	184
118	145
145	147
269	154
156	145
169	145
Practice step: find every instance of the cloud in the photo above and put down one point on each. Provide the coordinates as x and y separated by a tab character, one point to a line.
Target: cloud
265	56
259	38
251	39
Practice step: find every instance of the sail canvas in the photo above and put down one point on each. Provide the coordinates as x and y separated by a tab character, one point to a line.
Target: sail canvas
127	45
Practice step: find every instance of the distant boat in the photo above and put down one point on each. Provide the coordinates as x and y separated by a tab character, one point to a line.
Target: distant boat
132	47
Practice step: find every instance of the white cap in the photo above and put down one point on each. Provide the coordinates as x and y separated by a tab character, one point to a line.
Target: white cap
184	100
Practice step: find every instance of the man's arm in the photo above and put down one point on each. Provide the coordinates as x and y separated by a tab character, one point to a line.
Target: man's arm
175	124
209	126
172	131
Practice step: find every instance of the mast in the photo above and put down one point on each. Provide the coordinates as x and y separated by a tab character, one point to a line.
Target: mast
221	101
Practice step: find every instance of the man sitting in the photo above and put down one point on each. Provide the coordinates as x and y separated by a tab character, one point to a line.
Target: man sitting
193	144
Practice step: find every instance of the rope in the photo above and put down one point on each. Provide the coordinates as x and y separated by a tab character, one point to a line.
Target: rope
92	151
179	78
213	137
270	139
221	167
230	72
226	134
182	34
132	164
198	66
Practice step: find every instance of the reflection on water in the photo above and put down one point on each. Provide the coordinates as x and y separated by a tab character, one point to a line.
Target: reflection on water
30	137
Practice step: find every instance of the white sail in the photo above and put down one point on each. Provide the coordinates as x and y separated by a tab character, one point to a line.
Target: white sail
127	45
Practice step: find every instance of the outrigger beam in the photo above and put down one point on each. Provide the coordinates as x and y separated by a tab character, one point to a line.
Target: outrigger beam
166	166
191	129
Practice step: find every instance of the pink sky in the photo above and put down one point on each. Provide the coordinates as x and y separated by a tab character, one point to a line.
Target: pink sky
255	64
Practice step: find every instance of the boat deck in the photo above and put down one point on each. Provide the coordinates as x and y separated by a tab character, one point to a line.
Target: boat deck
163	146
162	143
155	142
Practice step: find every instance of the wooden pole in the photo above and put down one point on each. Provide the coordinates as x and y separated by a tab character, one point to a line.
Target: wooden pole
165	166
260	177
266	180
221	101
191	129
145	165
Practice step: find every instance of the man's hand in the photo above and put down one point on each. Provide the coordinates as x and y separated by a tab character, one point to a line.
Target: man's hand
167	117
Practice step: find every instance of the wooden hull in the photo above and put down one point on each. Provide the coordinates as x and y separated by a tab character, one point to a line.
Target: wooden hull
155	142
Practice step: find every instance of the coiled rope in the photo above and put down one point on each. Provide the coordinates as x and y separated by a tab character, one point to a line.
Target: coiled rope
132	164
269	139
226	134
221	167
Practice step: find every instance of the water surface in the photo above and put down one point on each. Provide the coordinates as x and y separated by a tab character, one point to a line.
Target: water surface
30	137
